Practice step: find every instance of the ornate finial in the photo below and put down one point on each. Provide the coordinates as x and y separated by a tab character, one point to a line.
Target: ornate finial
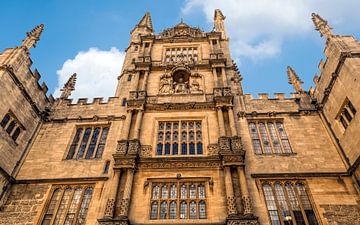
294	80
321	25
33	36
146	22
69	86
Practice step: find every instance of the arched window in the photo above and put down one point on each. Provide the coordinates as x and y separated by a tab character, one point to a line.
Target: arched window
175	148
11	127
183	192
192	210
271	204
199	147
163	210
159	149
173	210
202	210
84	206
192	191
70	216
84	143
173	191
154	211
164	192
62	207
5	120
16	133
183	148
201	191
294	204
284	209
155	192
51	208
167	148
183	210
92	145
192	148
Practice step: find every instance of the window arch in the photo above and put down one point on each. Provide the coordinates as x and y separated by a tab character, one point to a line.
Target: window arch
154	211
193	210
202	210
163	210
173	207
164	192
155	192
5	120
183	210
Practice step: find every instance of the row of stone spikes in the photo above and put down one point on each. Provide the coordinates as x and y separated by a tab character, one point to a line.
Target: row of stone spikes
84	101
277	96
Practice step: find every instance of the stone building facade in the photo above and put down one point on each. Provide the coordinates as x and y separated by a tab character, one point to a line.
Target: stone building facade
180	143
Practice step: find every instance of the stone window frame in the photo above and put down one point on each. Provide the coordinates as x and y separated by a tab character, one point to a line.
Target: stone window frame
170	51
280	138
62	188
204	133
79	142
294	182
17	130
346	114
161	182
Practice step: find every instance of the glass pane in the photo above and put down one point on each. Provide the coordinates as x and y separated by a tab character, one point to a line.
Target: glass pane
168	136
199	148
201	189
198	125
191	125
191	135
183	149
155	192
168	126
281	130
62	207
167	149
175	148
74	144
255	138
92	144
286	145
73	207
84	207
173	191
16	133
161	126
183	125
173	210
160	136
175	136
284	209
154	211
264	137
192	148
271	205
192	210
310	215
163	210
192	191
164	192
183	210
83	143
5	120
183	193
198	135
102	142
159	149
11	127
51	208
202	210
183	136
347	115
274	138
294	204
176	125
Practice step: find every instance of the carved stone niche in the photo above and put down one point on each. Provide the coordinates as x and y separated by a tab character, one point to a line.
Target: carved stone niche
122	147
237	146
224	144
134	147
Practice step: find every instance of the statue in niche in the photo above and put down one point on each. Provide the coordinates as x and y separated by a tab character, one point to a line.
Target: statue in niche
181	86
195	86
166	85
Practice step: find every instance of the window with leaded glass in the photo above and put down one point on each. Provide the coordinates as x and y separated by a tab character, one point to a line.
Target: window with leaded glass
67	205
269	137
183	137
346	113
288	202
88	142
190	203
183	54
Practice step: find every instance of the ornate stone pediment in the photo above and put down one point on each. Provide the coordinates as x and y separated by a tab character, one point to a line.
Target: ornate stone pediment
181	30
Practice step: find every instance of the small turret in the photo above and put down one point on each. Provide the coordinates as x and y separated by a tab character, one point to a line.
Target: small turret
294	80
219	23
322	26
69	86
33	36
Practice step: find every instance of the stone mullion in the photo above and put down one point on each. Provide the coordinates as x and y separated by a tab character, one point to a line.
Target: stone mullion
97	141
171	138
139	117
300	204
57	205
68	206
78	207
288	203
215	77
279	137
277	203
231	205
178	200
247	209
88	142
232	121
260	138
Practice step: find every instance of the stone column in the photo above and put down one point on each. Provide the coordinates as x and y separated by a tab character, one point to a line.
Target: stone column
230	198
215	77
135	85
221	122
224	77
144	84
124	204
139	117
110	204
246	202
126	127
232	122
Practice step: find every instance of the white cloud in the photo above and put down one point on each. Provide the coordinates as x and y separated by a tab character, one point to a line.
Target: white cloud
257	28
96	70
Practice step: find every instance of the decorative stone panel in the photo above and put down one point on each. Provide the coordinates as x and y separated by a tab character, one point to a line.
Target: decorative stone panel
342	214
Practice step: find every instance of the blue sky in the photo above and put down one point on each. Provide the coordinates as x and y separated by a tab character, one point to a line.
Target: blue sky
90	36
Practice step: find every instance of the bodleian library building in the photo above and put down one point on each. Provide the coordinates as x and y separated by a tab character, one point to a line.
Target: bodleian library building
180	142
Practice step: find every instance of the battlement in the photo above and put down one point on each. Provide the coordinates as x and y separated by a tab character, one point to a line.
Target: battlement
85	101
276	96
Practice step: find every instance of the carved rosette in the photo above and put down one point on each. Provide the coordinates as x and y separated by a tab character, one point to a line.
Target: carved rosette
121	147
231	205
145	151
246	202
124	206
109	209
134	147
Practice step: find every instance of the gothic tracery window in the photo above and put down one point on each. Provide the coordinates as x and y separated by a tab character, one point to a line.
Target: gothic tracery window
67	205
269	137
88	143
189	204
288	203
185	139
11	125
346	114
183	54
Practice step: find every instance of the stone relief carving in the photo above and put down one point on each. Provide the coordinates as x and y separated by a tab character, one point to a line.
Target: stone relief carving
166	84
213	149
231	205
180	82
246	202
145	151
124	206
109	208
